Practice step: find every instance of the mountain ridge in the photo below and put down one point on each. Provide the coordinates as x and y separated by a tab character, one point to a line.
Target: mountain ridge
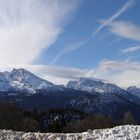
23	80
85	94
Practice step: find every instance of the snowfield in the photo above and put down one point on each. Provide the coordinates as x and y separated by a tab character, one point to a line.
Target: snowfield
127	132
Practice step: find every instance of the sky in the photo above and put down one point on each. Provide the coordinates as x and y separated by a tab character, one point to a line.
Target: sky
62	40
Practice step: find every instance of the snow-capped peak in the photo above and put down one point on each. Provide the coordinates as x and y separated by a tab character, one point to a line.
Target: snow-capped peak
23	80
23	76
92	84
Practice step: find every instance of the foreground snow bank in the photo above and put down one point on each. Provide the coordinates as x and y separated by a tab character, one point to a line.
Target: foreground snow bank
128	132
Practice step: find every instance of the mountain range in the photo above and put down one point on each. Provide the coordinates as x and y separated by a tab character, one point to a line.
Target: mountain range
90	95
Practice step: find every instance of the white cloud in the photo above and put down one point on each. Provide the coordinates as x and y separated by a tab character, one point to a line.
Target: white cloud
57	75
123	73
125	29
27	27
126	78
69	48
110	65
130	49
106	22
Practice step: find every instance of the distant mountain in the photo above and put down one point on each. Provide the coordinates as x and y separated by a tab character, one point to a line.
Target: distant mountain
134	90
21	80
91	84
104	88
90	95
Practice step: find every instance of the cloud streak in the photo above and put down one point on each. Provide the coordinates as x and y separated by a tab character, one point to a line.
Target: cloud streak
69	48
110	65
130	49
27	27
106	22
125	29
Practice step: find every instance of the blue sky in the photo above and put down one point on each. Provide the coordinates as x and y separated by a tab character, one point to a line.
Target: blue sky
62	40
104	46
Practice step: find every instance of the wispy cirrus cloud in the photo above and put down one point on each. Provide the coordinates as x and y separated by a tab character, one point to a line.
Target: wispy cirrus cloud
27	27
74	46
106	22
125	29
130	49
111	65
69	48
122	73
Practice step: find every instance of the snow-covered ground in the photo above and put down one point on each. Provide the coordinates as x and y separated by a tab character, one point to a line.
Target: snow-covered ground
128	132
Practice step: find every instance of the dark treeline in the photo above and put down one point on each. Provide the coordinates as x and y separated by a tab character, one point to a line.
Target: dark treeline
12	117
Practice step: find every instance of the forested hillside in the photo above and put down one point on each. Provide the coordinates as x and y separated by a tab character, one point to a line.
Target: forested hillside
12	117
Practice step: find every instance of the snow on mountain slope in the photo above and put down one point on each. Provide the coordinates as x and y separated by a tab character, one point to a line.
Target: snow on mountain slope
107	90
25	81
4	83
86	94
134	90
127	132
90	85
101	90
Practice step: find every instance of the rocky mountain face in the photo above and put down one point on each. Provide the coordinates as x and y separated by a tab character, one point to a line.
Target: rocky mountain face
91	84
86	94
134	90
20	80
104	88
